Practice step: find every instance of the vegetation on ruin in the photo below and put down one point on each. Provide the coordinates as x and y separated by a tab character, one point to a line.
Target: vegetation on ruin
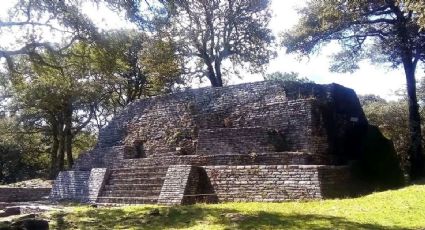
397	209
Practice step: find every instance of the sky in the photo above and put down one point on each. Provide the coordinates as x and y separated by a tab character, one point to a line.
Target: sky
369	79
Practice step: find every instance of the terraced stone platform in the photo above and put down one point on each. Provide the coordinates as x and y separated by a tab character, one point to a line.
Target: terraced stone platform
264	141
133	185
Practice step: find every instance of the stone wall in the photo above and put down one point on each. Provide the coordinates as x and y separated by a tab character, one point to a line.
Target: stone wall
185	184
9	194
259	158
99	158
80	186
320	119
264	141
176	184
233	140
97	180
276	183
71	185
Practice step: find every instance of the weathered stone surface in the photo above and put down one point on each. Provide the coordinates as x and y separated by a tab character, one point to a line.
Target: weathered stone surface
82	186
10	211
175	185
306	117
262	141
274	183
14	194
96	182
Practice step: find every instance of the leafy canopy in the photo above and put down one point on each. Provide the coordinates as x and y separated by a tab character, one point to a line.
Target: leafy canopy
380	30
210	32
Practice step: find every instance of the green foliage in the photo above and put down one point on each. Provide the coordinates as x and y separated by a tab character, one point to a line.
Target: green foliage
82	142
398	209
23	153
418	9
66	96
286	77
161	65
32	24
137	66
209	33
392	119
364	29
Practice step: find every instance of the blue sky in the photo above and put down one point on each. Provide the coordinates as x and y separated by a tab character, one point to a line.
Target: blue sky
369	79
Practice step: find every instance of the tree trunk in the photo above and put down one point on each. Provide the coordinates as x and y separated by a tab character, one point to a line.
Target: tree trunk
54	150
217	66
61	148
212	78
68	134
417	159
212	75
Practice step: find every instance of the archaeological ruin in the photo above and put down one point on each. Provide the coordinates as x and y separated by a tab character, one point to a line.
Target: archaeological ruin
266	141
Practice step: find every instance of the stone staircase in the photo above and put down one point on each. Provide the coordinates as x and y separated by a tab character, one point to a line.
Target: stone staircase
133	185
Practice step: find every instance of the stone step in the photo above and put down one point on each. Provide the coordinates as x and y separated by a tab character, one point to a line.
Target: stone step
153	180
157	153
157	169
128	200
131	193
133	187
259	158
136	175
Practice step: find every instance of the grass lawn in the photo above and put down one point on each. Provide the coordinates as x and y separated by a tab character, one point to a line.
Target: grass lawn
398	209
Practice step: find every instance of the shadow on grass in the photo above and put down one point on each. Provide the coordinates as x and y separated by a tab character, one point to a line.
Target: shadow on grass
192	216
267	220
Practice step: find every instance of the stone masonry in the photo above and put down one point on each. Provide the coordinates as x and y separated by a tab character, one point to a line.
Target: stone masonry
12	194
264	141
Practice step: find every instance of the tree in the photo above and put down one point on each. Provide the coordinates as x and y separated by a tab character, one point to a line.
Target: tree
23	154
418	7
63	94
62	72
391	118
142	65
381	30
210	32
56	100
34	23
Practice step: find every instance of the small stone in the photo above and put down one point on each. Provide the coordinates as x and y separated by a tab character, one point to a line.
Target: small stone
10	211
235	216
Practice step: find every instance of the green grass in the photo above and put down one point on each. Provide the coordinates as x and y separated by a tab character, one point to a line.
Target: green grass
398	209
